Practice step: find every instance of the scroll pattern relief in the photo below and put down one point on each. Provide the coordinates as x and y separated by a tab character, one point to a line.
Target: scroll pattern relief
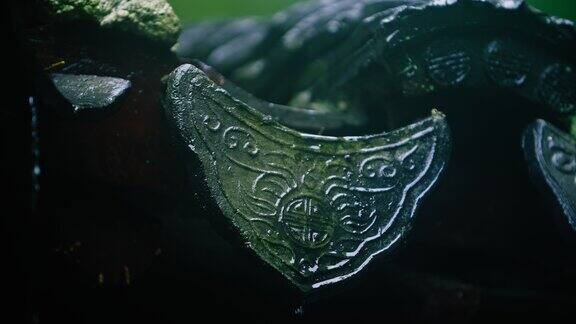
315	204
562	154
558	159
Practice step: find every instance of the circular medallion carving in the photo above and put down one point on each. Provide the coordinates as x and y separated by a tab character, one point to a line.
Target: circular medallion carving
558	87
448	62
306	220
506	63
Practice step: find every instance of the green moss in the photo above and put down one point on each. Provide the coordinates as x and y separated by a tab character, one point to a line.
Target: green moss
154	19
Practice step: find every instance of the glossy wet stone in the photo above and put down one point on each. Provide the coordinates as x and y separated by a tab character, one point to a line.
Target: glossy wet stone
407	50
316	208
551	155
558	87
313	119
508	63
229	42
347	53
90	92
294	38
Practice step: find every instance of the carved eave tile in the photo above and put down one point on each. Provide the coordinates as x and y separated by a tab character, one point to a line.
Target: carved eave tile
551	155
316	208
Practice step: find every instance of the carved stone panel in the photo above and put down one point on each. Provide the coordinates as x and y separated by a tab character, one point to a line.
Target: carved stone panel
551	154
316	208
